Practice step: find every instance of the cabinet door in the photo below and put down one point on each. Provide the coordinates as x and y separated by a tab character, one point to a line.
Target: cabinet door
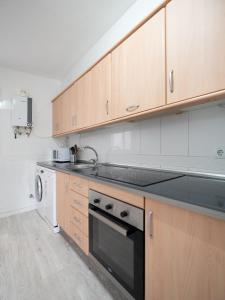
85	105
62	200
185	257
195	48
101	90
74	107
66	111
138	69
57	115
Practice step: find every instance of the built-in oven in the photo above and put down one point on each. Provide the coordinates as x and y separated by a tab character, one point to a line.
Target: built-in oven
116	241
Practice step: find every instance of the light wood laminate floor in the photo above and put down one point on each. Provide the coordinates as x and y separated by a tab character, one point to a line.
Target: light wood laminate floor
36	264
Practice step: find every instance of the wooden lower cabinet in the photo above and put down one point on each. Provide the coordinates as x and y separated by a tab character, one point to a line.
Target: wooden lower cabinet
77	219
185	256
62	191
72	208
79	185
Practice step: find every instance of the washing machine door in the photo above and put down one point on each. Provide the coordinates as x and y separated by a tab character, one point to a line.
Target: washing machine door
38	188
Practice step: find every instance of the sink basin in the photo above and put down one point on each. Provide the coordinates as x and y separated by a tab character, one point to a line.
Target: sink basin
81	166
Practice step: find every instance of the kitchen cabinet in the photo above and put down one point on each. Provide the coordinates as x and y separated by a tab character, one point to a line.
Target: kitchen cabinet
85	105
74	112
167	60
66	124
185	256
195	48
138	69
78	220
72	208
101	90
62	190
57	115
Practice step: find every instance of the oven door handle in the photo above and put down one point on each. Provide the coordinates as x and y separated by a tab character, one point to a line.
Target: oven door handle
118	228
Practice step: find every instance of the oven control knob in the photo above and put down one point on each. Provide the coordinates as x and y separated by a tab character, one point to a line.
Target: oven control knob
108	206
96	201
124	214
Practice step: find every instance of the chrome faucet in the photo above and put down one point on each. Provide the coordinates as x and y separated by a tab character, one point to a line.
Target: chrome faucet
95	161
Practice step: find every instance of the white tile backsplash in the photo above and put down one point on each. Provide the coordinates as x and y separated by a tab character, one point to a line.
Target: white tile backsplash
207	131
174	134
186	141
150	137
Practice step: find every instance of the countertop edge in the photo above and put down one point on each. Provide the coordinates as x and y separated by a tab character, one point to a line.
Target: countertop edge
181	204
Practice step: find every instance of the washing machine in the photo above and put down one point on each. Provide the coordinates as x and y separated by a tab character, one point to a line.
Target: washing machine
45	194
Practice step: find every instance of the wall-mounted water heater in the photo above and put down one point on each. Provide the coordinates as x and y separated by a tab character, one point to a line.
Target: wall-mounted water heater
22	115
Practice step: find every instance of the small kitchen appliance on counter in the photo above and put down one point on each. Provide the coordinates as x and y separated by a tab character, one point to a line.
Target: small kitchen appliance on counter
61	155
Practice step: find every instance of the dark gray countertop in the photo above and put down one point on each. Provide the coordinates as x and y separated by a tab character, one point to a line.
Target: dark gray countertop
204	195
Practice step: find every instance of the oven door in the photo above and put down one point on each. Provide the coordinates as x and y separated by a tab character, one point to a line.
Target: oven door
119	247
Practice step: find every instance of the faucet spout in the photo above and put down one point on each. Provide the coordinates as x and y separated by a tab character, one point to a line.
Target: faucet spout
95	152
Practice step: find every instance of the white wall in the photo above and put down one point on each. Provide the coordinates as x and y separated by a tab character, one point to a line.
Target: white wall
181	142
18	157
133	16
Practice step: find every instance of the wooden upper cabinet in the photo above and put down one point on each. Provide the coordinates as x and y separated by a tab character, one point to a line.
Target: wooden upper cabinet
85	108
185	256
195	48
138	69
101	90
57	116
73	115
66	111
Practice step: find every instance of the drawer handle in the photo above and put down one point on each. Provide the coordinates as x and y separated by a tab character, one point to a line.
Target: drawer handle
77	202
77	185
77	220
132	108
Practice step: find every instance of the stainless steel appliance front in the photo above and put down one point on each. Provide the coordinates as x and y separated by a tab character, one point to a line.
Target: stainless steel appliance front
116	241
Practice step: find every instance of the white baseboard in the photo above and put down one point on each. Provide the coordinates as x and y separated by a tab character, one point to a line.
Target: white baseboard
8	213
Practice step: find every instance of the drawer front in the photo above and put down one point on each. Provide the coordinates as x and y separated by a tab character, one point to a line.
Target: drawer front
79	220
78	202
79	238
79	185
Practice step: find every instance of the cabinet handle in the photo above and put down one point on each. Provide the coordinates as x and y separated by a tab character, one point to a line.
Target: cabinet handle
132	108
171	81
107	107
77	202
77	185
150	223
74	120
75	221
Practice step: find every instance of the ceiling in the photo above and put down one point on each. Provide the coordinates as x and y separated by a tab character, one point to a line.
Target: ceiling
46	37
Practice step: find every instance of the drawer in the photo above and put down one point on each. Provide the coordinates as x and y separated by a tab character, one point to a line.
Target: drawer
79	185
78	202
79	220
79	238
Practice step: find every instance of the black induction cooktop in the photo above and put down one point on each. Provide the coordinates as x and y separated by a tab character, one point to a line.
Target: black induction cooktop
134	176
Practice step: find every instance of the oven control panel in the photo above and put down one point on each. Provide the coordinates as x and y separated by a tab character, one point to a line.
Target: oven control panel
128	213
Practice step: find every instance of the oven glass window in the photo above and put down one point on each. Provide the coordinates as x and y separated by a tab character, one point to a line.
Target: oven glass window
116	250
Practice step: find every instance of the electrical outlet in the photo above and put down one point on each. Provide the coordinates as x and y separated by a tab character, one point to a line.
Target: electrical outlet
220	152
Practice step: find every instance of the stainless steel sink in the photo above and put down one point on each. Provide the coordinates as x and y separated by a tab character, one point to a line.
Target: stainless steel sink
80	166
